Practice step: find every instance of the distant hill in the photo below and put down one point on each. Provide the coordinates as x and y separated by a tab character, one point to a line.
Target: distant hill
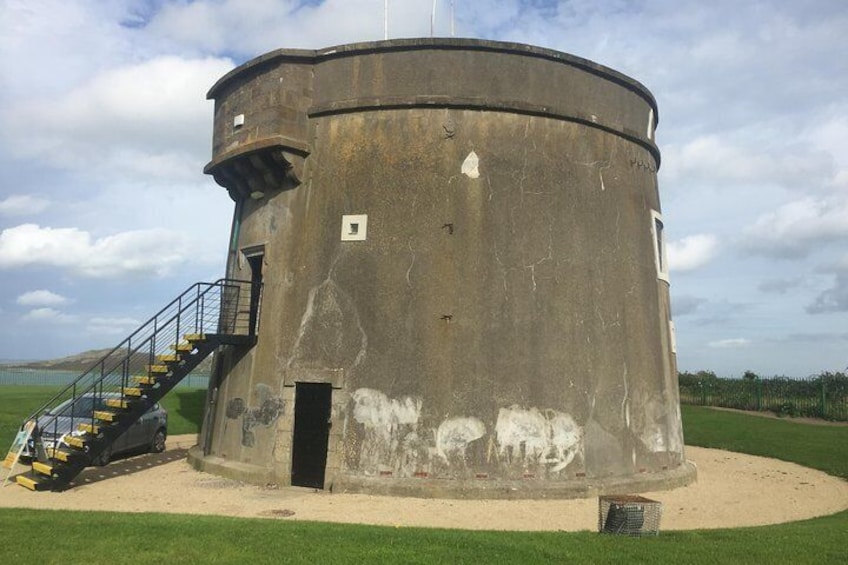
83	361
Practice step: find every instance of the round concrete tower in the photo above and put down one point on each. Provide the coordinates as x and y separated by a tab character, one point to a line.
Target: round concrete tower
465	291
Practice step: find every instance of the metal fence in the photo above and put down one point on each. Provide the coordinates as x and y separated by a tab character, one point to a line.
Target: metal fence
822	396
41	377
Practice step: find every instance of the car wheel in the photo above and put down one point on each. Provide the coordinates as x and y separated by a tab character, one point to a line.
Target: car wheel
104	458
157	445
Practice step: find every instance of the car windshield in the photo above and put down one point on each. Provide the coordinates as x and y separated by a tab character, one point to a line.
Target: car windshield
82	407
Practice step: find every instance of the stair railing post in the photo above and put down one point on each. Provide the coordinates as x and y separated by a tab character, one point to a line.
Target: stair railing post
179	318
198	310
152	356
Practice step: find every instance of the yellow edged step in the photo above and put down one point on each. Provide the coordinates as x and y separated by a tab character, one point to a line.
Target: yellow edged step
42	468
58	455
183	347
117	403
168	358
195	337
105	415
74	441
157	369
89	428
145	380
132	392
31	483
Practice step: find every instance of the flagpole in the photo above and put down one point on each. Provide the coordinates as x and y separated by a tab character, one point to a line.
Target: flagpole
433	19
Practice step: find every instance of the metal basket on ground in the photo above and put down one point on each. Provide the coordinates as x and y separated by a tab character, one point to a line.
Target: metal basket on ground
629	515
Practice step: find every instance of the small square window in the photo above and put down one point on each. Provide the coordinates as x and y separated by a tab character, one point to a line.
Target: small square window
354	227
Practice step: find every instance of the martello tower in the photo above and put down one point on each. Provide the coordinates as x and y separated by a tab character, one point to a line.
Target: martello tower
465	291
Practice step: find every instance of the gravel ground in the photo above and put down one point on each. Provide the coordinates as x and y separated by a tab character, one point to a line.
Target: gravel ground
733	490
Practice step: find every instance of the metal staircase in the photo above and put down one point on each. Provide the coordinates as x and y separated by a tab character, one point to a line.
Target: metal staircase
77	426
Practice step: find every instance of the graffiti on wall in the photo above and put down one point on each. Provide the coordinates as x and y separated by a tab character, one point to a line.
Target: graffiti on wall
533	436
269	407
393	438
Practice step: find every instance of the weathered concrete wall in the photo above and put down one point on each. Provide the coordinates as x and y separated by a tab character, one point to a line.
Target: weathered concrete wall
503	330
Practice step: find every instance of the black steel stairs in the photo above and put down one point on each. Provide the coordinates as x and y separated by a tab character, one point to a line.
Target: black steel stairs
76	427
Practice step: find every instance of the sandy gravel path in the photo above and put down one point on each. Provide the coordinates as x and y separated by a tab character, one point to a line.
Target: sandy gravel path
733	490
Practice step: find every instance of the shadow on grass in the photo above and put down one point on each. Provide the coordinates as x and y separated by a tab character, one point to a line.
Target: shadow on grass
185	410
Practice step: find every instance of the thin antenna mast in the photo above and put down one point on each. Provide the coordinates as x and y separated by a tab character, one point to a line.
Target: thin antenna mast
385	19
433	19
453	20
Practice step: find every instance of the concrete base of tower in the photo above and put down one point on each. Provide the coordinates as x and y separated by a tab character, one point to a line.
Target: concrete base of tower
470	489
245	472
530	488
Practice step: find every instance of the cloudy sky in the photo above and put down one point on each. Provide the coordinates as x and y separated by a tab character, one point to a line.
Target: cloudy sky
105	214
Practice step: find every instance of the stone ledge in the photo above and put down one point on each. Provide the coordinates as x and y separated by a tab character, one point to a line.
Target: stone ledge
516	490
229	469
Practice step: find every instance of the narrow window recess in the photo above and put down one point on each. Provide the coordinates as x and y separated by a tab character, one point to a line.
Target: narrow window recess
673	333
660	251
354	227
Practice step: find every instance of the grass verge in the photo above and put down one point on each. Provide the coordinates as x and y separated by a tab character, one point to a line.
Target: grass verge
820	447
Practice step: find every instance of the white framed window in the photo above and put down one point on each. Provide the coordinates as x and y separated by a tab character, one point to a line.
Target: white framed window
660	252
673	335
354	227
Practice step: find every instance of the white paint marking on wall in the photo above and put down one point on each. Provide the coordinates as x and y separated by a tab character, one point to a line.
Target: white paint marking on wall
565	439
601	170
552	437
454	435
470	166
652	433
378	412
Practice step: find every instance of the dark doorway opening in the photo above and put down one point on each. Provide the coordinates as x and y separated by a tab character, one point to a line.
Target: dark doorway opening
311	431
255	261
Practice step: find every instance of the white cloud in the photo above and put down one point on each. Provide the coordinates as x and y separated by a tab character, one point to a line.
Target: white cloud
748	160
799	227
731	343
255	27
151	252
112	326
692	252
50	44
146	120
41	298
22	205
47	315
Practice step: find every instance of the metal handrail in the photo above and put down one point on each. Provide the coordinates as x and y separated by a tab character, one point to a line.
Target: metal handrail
124	361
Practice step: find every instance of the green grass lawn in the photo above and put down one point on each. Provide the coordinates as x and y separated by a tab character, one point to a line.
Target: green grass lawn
184	406
32	536
821	447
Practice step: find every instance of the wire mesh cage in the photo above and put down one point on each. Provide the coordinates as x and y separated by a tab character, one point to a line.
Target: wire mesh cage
629	515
